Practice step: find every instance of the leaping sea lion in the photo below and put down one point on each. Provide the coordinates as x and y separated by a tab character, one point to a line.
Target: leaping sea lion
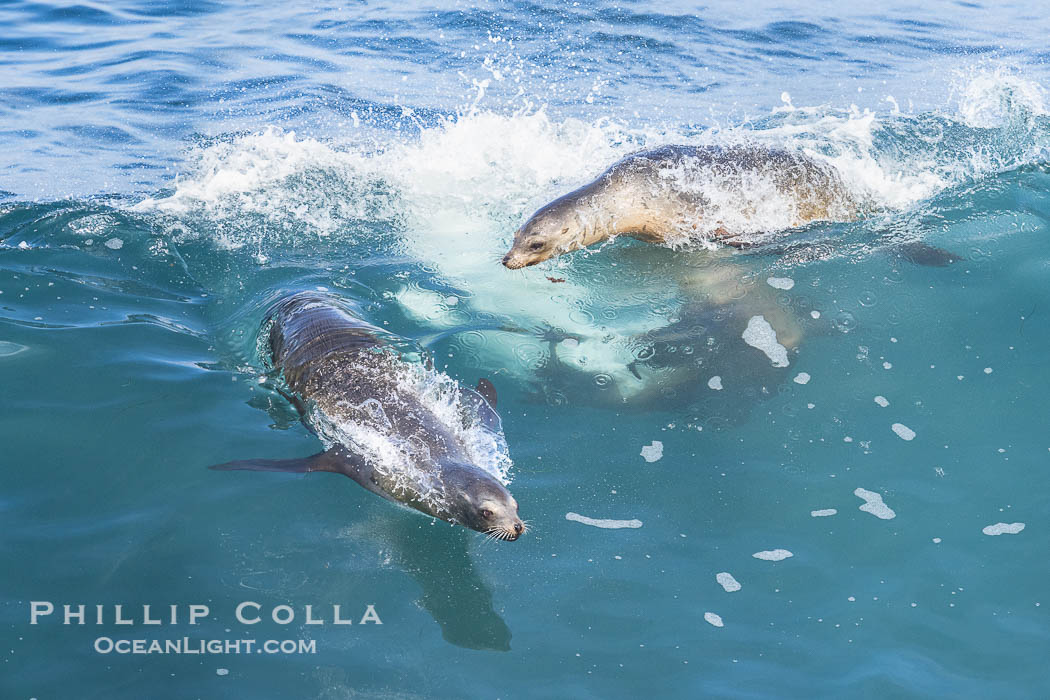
400	430
674	194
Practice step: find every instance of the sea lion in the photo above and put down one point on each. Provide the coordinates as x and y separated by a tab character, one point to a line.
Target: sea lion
674	194
398	429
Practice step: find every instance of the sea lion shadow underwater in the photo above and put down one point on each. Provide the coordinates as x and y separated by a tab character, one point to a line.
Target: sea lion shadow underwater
452	591
700	356
400	430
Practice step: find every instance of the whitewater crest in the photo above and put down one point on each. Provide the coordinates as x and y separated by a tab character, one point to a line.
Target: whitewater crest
450	197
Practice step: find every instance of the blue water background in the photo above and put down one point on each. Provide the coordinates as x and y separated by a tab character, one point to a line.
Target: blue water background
168	169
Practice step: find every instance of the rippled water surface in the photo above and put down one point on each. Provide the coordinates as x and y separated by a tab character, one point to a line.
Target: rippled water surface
168	170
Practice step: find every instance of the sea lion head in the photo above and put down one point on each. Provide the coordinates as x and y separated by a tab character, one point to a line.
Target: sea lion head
554	229
478	501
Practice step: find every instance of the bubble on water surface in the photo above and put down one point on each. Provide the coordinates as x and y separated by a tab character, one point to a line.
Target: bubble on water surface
760	334
773	555
603	522
653	452
726	581
903	431
1003	529
874	504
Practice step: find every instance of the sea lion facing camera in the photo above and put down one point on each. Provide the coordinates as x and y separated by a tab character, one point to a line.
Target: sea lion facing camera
392	425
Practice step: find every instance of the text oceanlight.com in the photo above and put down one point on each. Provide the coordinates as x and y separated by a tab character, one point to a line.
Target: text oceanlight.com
108	645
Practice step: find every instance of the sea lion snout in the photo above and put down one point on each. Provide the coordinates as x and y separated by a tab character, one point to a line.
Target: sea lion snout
509	528
514	531
515	261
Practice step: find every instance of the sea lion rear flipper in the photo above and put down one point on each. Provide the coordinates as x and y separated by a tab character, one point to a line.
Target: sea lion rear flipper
914	252
487	391
329	461
923	254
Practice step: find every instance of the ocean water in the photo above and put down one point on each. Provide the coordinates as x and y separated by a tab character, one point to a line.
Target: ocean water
168	170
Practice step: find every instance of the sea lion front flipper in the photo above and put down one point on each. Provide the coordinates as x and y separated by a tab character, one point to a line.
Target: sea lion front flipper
923	254
487	391
328	461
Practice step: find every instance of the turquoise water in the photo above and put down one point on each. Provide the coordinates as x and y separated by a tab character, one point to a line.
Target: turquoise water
169	170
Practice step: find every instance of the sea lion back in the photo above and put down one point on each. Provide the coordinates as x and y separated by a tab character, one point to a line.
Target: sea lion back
307	328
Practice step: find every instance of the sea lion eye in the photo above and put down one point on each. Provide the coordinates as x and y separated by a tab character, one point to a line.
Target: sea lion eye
536	246
486	513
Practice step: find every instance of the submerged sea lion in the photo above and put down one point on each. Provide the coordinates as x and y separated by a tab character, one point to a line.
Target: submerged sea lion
391	425
703	336
676	193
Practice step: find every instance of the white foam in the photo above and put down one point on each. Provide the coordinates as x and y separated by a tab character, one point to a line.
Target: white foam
784	283
653	452
802	378
453	195
773	555
882	401
726	581
602	522
715	383
114	243
903	431
714	619
1003	529
485	162
7	348
991	97
760	334
874	504
826	512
